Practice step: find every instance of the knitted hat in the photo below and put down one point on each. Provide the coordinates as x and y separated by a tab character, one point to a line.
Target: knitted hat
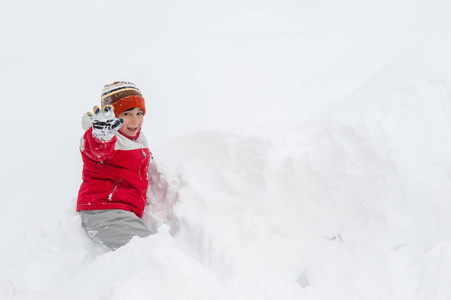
123	96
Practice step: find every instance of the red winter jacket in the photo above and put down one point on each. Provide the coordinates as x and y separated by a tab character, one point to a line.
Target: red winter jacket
115	173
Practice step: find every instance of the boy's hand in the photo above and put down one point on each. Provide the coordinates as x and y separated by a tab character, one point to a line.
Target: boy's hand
104	123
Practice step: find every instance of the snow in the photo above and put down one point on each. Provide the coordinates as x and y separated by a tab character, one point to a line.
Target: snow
293	159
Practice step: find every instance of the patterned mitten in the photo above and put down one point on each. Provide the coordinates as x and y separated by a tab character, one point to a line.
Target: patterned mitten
104	123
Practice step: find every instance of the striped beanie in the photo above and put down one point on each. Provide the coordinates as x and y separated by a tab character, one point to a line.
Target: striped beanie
123	96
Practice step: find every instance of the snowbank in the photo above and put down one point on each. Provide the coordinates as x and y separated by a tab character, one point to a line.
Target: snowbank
340	208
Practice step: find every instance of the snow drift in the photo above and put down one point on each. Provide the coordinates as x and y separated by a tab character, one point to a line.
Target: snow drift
352	205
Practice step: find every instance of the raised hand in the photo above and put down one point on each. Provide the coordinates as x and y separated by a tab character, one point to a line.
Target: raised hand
104	123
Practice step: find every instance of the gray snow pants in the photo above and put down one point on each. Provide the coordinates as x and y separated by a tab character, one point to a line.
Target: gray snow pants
113	228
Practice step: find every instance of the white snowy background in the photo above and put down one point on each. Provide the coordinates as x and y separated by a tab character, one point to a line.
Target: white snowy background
302	148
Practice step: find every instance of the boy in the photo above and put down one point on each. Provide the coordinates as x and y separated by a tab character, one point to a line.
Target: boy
116	159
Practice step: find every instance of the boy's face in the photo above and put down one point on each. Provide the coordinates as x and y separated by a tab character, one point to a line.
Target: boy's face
133	120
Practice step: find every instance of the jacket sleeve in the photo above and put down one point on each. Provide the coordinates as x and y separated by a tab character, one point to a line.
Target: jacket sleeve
96	149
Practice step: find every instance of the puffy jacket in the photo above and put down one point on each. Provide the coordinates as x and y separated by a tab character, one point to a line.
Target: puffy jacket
115	173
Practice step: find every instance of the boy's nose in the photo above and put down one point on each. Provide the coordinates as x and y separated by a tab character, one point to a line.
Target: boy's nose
134	120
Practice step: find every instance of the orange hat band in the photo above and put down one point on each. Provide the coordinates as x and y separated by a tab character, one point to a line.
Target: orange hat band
129	102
